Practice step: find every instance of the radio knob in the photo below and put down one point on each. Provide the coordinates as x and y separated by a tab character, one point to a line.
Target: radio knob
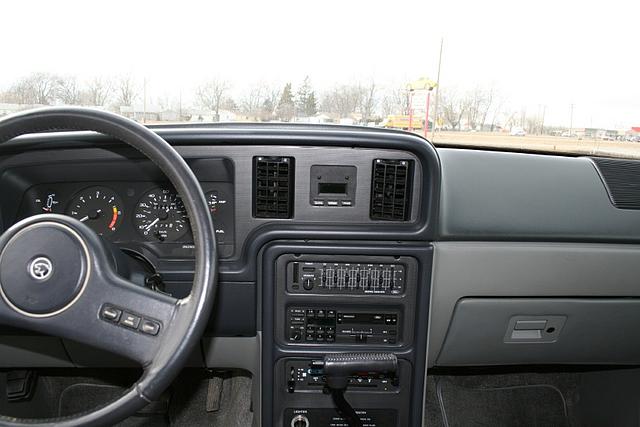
307	284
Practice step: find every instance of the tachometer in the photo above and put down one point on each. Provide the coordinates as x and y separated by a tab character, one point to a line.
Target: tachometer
161	216
98	207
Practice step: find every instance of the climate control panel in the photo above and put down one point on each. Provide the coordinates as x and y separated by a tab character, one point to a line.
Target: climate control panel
332	278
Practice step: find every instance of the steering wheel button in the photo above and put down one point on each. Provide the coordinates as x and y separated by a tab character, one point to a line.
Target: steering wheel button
130	320
149	327
110	313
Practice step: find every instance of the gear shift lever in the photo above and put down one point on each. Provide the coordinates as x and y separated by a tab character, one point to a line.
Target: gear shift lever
339	367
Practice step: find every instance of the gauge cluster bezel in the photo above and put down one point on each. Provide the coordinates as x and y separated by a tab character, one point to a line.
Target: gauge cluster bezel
127	235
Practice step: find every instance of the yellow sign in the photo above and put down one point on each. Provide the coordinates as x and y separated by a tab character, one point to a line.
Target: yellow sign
422	83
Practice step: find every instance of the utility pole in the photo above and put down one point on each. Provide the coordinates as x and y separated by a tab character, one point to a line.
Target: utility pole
144	100
544	110
437	103
571	121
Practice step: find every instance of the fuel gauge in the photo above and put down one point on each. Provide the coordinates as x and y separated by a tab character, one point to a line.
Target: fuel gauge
47	203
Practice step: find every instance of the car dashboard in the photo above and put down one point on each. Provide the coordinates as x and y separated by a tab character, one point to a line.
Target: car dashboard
341	239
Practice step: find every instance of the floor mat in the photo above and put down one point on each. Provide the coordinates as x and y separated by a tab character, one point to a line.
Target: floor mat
189	403
81	397
537	405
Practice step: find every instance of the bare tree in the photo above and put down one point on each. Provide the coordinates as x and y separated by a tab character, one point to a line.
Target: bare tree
211	95
98	91
489	97
343	100
395	101
127	91
474	102
270	103
68	91
511	119
368	102
452	108
251	102
37	88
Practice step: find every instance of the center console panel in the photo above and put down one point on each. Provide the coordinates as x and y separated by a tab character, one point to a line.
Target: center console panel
357	301
344	299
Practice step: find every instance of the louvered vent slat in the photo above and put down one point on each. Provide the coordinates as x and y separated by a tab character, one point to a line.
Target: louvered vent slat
622	180
273	187
391	190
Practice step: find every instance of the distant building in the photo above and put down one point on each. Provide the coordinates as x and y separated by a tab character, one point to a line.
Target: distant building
208	116
140	113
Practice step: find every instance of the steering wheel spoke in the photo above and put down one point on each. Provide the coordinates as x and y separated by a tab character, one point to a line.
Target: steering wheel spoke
125	318
102	310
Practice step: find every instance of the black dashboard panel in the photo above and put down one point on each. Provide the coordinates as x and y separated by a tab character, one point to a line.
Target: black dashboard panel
222	158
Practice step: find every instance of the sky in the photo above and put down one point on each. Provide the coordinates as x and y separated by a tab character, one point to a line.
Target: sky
538	55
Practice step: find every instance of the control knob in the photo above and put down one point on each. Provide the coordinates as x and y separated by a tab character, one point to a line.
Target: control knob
300	421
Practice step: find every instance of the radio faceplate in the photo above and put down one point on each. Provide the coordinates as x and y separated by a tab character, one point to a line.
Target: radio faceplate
314	325
373	310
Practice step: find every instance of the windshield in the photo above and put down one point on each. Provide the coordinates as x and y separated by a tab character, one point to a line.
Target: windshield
551	76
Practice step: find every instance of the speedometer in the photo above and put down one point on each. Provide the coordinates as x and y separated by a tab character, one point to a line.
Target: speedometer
161	216
98	207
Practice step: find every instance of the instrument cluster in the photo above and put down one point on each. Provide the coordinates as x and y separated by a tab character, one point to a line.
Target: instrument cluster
133	212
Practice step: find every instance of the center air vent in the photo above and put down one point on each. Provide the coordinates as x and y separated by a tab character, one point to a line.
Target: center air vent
273	187
391	190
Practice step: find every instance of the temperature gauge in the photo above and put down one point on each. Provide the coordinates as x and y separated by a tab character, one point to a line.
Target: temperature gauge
215	202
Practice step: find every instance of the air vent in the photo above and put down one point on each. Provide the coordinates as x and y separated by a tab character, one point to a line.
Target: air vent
622	180
273	187
391	190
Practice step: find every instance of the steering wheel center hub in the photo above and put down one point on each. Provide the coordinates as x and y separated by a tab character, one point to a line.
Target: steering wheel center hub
43	269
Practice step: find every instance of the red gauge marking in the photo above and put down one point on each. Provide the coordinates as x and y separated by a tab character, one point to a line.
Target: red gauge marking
114	218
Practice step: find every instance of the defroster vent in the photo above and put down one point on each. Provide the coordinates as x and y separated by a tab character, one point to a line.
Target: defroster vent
622	180
273	187
391	190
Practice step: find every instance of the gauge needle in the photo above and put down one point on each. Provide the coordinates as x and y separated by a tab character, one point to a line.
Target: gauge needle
152	224
84	219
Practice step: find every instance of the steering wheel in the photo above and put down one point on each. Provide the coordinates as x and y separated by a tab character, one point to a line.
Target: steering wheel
57	278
